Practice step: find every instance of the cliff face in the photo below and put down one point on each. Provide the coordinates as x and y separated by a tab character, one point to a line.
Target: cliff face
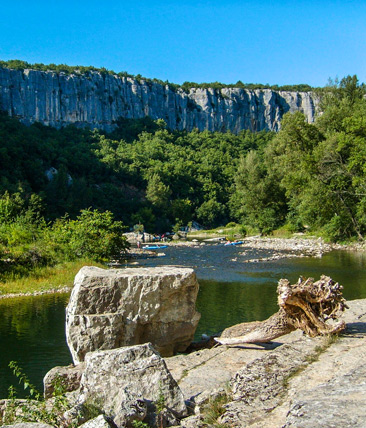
97	100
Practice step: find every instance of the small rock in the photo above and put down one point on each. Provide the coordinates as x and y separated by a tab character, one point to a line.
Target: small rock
99	422
69	376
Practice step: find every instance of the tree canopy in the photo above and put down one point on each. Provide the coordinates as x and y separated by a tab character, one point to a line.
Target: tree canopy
139	169
319	168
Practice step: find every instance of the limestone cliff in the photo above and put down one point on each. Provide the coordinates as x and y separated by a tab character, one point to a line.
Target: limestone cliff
97	100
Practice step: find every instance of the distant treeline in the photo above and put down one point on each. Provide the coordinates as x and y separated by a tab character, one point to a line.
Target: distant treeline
64	193
17	64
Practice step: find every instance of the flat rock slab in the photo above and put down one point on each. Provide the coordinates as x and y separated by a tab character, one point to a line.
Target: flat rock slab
210	369
332	391
328	392
341	402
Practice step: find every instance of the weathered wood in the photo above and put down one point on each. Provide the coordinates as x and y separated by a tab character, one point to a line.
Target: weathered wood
310	306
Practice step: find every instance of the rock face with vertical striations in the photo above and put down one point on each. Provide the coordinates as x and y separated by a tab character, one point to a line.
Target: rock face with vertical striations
97	100
117	307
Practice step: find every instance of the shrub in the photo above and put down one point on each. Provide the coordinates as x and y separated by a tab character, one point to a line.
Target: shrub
231	224
93	234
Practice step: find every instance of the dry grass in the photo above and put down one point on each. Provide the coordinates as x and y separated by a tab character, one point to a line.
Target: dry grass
46	278
214	409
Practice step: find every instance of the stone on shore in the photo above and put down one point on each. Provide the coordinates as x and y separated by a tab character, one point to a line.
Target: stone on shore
68	376
127	384
117	307
99	422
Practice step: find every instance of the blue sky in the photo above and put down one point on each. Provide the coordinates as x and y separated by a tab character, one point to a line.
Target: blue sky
275	42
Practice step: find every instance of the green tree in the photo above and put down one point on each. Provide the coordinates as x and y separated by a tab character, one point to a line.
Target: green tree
146	217
262	200
181	210
211	212
157	192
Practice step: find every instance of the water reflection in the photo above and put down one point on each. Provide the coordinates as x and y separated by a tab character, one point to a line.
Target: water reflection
32	332
223	304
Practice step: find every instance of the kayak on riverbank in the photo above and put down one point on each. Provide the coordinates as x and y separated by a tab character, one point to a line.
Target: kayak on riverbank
233	243
154	247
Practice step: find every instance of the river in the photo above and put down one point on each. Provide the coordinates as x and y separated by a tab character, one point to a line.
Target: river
231	291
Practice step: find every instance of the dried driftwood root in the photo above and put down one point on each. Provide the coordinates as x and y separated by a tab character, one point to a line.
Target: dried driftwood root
310	306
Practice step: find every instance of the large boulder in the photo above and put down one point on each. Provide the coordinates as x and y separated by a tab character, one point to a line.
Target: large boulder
117	307
130	384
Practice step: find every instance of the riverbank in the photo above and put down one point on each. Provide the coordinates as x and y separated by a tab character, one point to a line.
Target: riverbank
47	280
60	278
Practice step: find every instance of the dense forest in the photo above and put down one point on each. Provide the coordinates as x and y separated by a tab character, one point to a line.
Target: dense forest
64	191
141	172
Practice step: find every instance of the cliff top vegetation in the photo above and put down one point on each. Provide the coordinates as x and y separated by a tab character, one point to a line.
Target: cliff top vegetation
17	64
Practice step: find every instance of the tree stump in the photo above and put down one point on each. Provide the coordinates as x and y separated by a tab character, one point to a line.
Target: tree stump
310	306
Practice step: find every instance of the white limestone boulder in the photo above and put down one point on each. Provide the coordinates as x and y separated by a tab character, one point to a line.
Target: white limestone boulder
117	307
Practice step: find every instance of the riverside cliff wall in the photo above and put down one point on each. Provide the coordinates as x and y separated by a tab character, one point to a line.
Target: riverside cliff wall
96	100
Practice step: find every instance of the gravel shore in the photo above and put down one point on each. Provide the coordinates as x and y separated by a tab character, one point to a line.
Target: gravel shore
283	247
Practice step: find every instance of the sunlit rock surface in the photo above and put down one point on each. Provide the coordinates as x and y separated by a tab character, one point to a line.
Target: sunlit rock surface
128	382
112	308
96	100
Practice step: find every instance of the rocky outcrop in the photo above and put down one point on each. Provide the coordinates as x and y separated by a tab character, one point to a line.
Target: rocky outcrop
128	384
97	100
112	308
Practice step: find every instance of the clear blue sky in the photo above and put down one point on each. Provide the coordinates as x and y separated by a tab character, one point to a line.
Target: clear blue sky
275	42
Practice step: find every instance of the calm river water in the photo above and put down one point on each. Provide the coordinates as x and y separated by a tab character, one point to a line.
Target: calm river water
231	291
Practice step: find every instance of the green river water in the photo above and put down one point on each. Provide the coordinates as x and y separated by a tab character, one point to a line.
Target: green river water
231	291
